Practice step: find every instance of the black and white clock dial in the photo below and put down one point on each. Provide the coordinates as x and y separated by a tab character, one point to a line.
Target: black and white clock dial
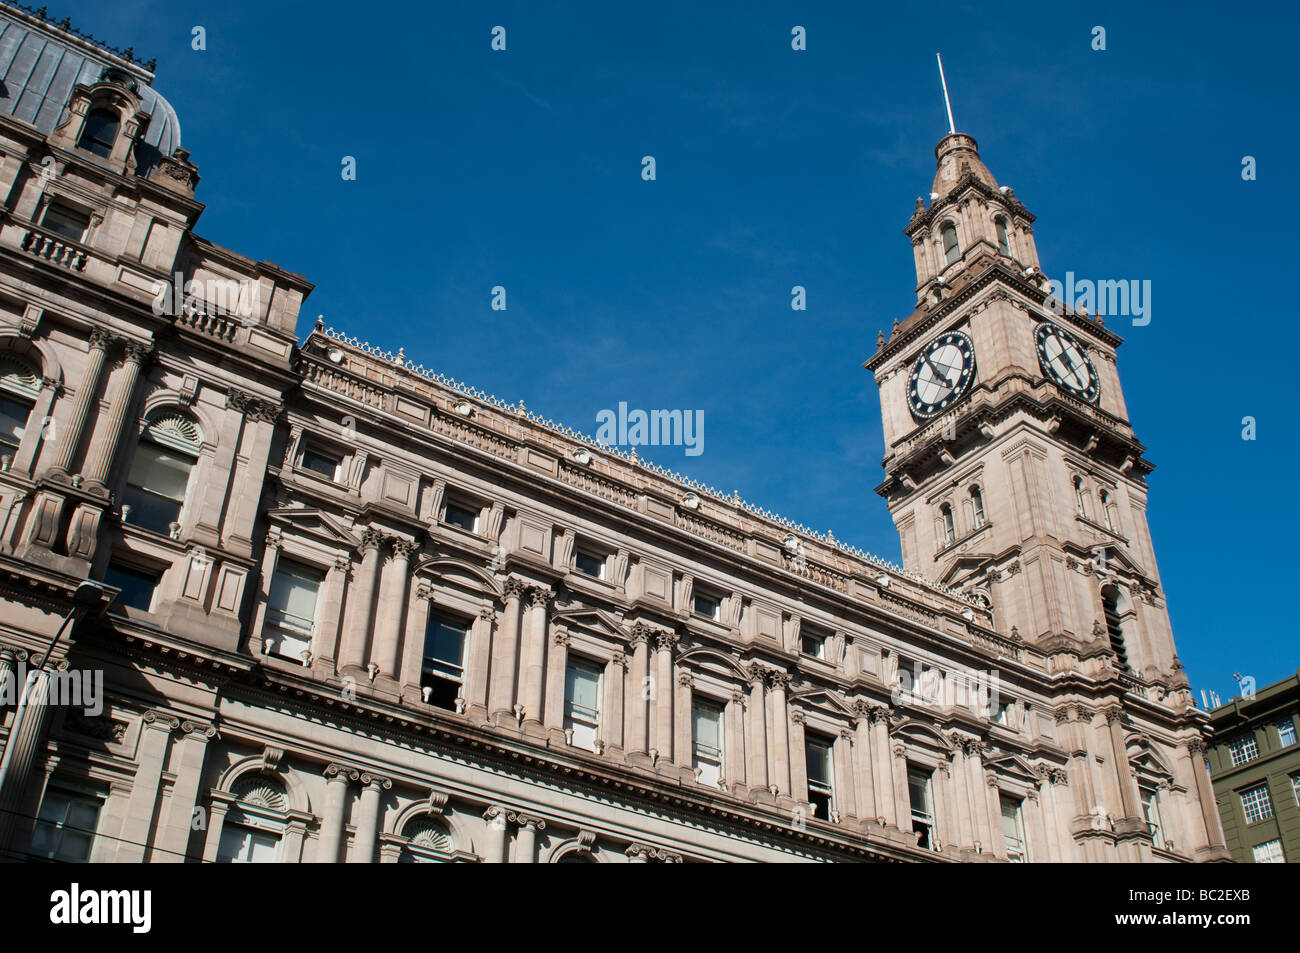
941	375
1065	361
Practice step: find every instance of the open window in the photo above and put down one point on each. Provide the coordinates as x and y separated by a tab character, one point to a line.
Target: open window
443	670
160	474
706	739
19	384
1013	828
821	775
582	702
291	609
922	806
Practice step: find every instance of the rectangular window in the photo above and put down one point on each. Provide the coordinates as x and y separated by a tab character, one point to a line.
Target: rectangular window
918	791
291	609
462	516
327	465
706	735
1243	749
1295	788
1270	852
1002	712
589	564
1151	812
1256	803
243	845
65	827
707	606
1013	829
821	776
582	703
443	670
65	222
155	487
1286	732
13	422
137	585
813	644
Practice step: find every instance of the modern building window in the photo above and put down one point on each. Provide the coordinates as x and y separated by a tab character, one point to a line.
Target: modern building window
813	644
1151	812
582	703
1004	242
19	385
977	506
328	465
160	474
65	827
1286	735
821	776
948	235
589	564
707	606
443	668
706	738
918	791
291	608
1114	629
65	222
1256	803
1269	852
254	826
949	528
1080	498
1013	829
138	585
457	514
1243	749
99	133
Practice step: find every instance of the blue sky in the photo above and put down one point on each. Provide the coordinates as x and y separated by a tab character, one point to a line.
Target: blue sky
777	168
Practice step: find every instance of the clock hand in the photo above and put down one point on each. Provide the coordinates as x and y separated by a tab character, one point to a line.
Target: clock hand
934	370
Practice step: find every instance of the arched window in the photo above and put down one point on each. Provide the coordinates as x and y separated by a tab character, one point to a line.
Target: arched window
1080	498
1106	511
575	857
949	529
160	473
19	384
254	825
1110	601
99	134
428	841
948	237
1004	241
977	506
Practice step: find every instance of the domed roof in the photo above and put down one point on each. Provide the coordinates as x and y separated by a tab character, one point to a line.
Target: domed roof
41	61
957	154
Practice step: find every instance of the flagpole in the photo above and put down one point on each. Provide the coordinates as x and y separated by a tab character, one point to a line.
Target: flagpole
947	104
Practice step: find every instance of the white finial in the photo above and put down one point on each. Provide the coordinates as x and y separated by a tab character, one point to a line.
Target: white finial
947	104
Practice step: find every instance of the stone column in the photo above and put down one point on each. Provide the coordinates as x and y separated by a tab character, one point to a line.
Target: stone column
663	694
102	452
637	700
1204	830
1128	794
480	660
356	635
887	805
798	755
505	656
733	752
410	654
1036	850
780	732
173	839
151	757
70	439
993	799
526	840
1051	847
683	727
26	737
862	766
372	788
756	730
330	611
902	797
945	804
333	818
963	833
494	848
557	662
977	789
392	609
612	713
846	796
533	664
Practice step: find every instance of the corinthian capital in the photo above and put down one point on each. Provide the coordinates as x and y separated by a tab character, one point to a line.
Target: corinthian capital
513	588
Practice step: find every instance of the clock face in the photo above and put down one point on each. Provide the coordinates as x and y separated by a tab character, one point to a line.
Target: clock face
1065	361
941	375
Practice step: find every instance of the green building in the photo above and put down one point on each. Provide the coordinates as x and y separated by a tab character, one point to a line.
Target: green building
1255	765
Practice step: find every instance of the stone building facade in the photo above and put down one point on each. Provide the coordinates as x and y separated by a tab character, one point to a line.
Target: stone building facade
362	612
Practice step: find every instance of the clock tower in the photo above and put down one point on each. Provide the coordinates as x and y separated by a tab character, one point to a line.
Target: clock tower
1011	469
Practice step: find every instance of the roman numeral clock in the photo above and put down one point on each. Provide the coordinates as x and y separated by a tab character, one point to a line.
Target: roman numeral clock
941	375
